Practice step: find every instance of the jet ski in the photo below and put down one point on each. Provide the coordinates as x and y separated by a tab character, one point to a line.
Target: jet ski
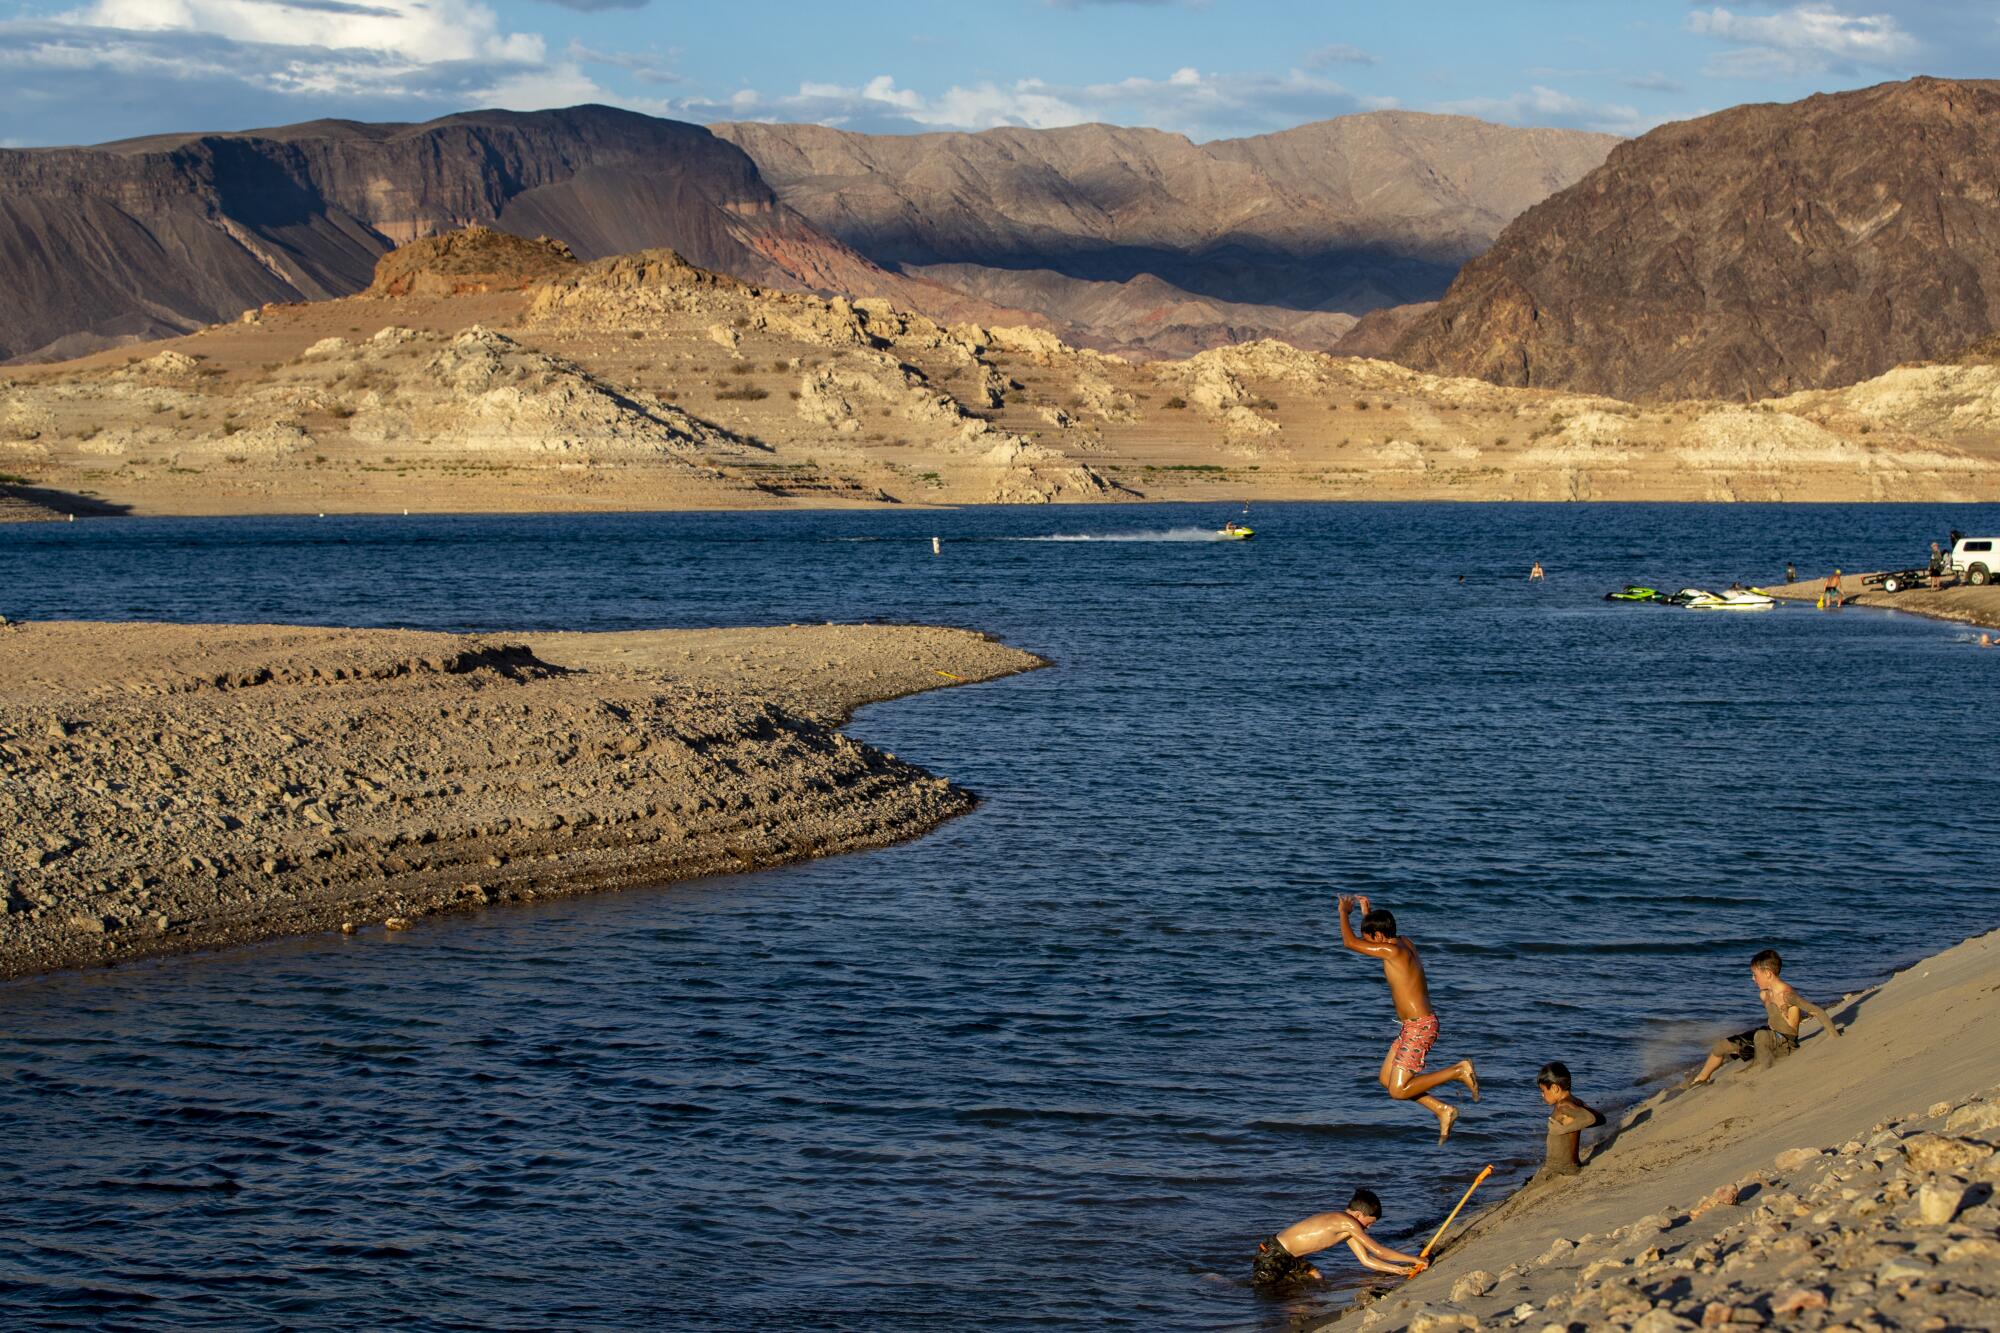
1736	599
1632	592
1238	534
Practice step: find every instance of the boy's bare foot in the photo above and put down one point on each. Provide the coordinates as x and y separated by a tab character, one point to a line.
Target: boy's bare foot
1472	1080
1446	1119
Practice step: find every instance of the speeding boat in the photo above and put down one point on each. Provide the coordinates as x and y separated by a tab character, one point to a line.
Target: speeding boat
1235	534
1736	599
1632	592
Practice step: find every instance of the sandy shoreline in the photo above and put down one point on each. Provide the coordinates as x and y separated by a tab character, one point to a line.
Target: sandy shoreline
1965	605
1849	1187
173	787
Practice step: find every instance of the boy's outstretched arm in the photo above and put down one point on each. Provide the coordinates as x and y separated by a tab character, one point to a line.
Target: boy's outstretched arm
1812	1010
1354	941
1373	1254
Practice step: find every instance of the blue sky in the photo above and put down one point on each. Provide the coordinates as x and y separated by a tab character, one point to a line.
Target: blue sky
91	70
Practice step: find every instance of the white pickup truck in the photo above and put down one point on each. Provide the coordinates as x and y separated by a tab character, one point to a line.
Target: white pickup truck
1974	559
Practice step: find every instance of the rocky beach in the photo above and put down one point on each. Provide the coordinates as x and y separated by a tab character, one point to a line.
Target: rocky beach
174	787
1963	603
1849	1187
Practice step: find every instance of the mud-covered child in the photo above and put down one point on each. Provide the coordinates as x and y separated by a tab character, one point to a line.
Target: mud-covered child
1568	1118
1784	1011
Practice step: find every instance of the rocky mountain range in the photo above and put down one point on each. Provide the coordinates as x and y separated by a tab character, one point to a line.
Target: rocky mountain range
1332	219
152	237
1150	244
1757	251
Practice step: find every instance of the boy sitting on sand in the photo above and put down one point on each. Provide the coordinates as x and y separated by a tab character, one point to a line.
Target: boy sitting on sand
1784	1008
1282	1259
1568	1118
1402	1068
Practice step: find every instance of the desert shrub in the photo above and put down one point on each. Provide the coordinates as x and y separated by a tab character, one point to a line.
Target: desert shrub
1361	405
1175	403
744	393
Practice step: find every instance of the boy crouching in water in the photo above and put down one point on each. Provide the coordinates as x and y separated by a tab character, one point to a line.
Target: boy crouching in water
1402	1068
1784	1010
1282	1259
1568	1118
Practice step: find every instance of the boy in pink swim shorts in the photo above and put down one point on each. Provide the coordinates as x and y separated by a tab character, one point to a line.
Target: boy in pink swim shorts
1402	1068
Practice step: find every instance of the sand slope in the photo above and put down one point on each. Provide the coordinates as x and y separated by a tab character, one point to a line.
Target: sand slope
170	787
1903	1101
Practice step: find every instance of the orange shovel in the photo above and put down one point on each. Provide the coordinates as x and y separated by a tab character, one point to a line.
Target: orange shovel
1477	1181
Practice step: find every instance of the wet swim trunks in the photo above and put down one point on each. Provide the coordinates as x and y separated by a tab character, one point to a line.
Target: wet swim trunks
1277	1266
1413	1044
1743	1046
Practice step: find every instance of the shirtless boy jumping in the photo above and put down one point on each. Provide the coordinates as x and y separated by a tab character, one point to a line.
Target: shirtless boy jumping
1402	1068
1282	1259
1784	1010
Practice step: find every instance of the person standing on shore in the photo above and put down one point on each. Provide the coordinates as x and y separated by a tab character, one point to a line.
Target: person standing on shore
1282	1259
1784	1011
1568	1118
1402	1068
1830	596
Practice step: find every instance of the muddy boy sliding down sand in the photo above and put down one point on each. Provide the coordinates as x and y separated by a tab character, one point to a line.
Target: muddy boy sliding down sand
1784	1010
1402	1068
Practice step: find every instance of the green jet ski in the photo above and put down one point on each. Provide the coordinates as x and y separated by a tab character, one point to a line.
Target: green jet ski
1632	592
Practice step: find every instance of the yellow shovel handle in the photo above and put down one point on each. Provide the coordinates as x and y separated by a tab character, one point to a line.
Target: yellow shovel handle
1477	1181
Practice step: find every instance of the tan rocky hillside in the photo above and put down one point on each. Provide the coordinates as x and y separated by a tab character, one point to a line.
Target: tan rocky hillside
642	381
1334	218
1760	250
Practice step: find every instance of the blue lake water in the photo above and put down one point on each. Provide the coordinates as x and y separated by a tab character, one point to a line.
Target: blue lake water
1063	1062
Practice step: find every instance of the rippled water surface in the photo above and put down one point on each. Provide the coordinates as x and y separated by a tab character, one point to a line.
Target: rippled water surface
1064	1061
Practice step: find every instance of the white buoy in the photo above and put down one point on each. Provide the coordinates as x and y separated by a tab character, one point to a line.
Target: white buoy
935	548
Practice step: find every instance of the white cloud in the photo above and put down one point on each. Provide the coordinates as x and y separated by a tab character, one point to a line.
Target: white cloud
1654	82
421	31
1805	38
232	63
1185	100
1541	105
1338	53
